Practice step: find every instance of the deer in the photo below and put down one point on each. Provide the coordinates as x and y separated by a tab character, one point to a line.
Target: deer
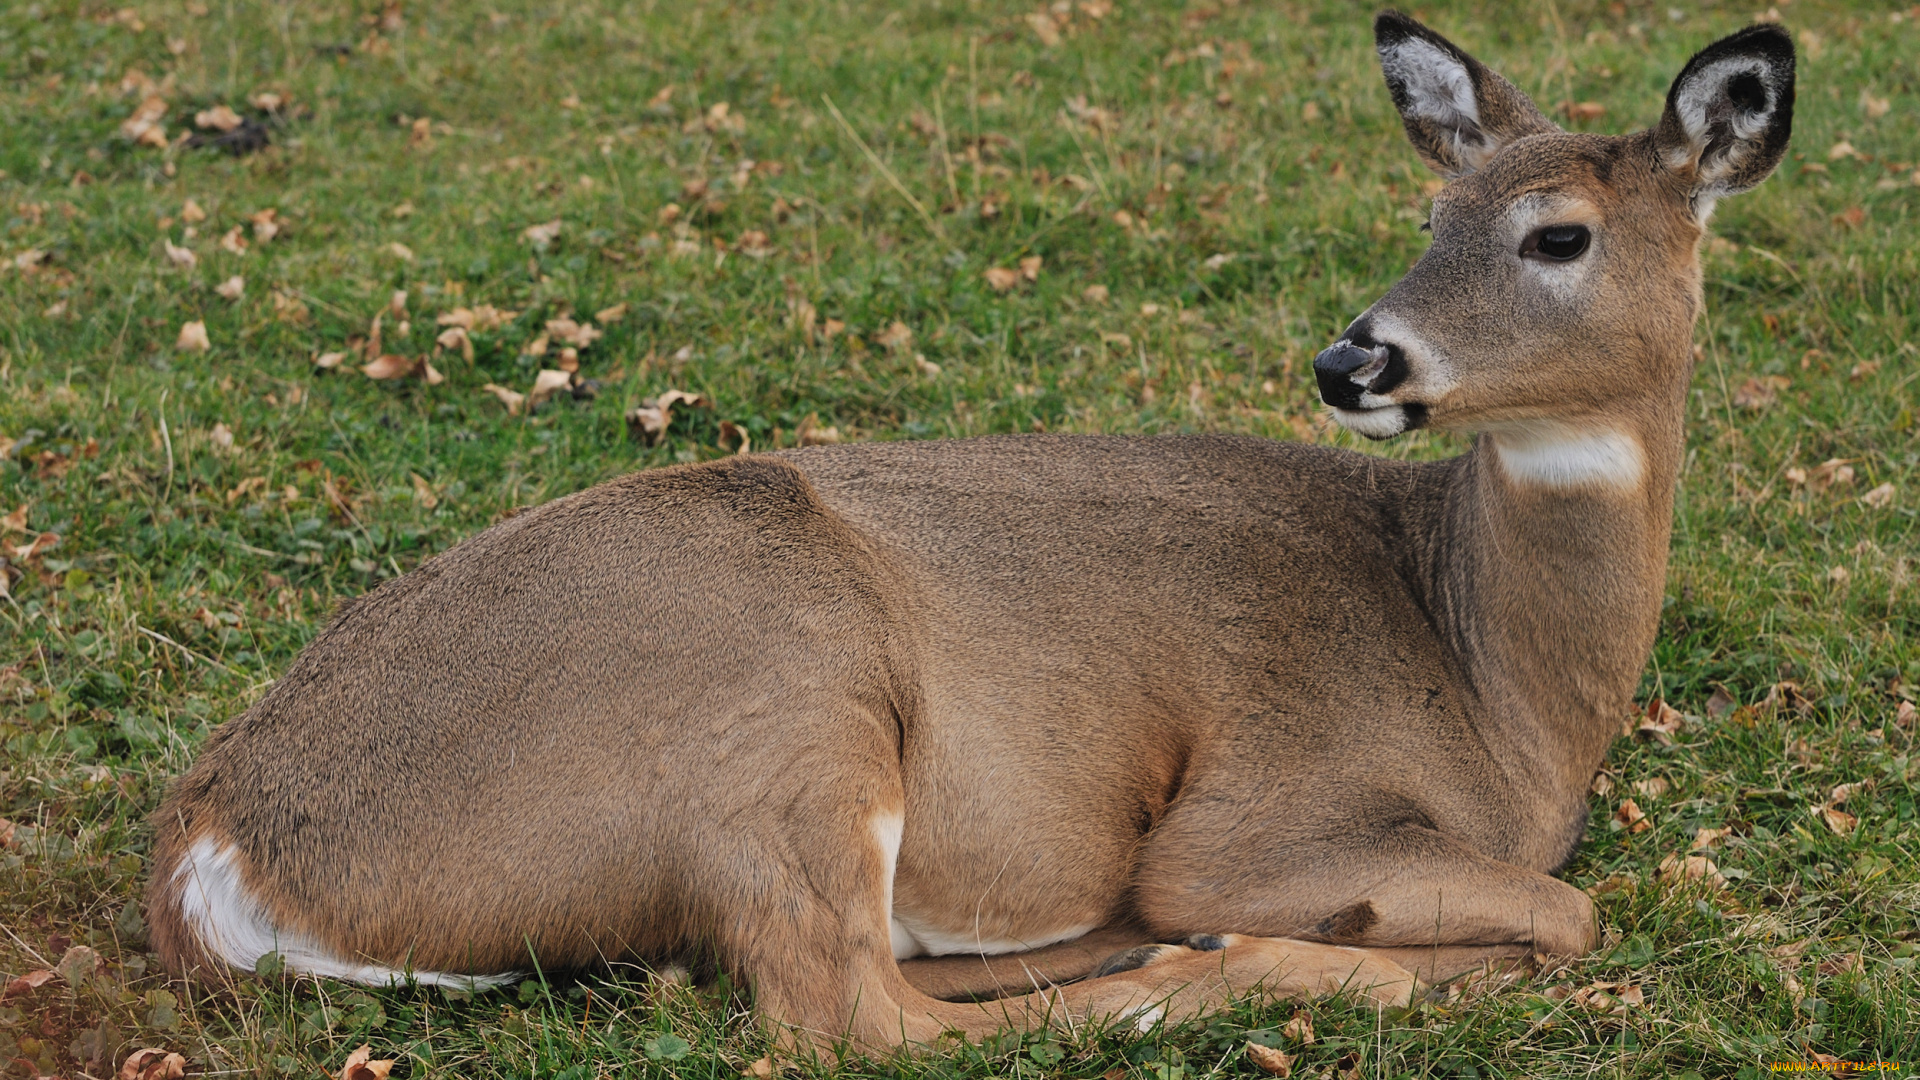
922	738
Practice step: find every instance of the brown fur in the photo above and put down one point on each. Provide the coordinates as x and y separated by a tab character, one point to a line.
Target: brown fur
1341	709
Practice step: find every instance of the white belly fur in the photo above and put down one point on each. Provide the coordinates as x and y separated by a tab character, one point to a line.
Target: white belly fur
913	935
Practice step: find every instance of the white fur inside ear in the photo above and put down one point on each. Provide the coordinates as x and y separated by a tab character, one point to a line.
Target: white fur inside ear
1437	84
1704	98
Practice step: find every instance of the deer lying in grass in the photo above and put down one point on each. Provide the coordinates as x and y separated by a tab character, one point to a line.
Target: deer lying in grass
1318	716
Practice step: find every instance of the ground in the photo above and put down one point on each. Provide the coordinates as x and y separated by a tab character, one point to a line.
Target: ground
870	221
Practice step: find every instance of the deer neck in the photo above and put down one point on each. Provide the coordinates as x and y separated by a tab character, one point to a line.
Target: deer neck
1547	574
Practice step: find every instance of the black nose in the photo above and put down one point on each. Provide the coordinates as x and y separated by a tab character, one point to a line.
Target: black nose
1332	368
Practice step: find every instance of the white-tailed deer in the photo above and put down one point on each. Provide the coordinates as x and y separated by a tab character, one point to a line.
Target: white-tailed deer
1323	718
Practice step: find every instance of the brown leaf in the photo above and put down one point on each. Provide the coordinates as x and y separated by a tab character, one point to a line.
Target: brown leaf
1706	838
359	1066
545	384
28	983
1269	1060
925	366
611	315
1030	267
811	433
234	242
218	118
388	366
541	236
1602	783
1676	869
79	964
578	335
329	360
16	521
1904	715
145	126
1842	792
1044	28
1660	722
179	256
1001	279
1833	472
153	1063
896	336
1631	817
400	251
1852	217
729	431
454	337
423	492
649	422
1760	391
1838	821
1095	294
33	549
232	289
1299	1026
1879	498
1721	702
1785	694
760	1069
1583	110
754	244
512	399
1653	787
193	338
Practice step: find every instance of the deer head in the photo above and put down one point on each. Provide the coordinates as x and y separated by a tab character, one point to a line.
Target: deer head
1559	293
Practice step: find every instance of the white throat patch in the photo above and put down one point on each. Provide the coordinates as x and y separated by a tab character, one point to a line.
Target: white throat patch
1563	458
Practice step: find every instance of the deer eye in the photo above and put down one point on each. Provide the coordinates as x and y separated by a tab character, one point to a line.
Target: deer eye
1558	242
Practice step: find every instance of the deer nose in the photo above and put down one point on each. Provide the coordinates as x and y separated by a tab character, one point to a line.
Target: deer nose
1333	369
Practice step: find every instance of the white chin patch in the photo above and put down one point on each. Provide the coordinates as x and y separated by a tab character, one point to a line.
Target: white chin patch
1381	423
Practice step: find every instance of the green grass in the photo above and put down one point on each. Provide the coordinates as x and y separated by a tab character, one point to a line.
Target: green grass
188	572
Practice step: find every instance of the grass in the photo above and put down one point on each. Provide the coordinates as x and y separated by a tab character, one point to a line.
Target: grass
1236	166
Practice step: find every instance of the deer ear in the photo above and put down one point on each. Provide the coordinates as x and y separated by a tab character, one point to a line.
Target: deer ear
1729	114
1458	112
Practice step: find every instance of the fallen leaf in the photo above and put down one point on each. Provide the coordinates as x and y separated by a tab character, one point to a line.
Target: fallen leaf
1838	821
360	1066
191	213
400	251
179	256
234	242
1760	392
1001	279
329	360
541	236
545	383
16	521
1706	838
1905	714
1044	28
512	399
1676	869
729	431
267	101
218	118
193	338
31	550
397	303
1096	9
1109	337
608	316
536	347
1602	783
1269	1060
79	964
1653	787
760	1069
420	134
1583	110
1095	294
1299	1026
578	335
926	366
233	288
649	422
831	329
28	983
1863	369
810	432
388	366
1151	309
896	336
455	337
288	308
1030	267
144	126
1842	792
1879	498
478	320
1660	722
1874	107
1841	149
1833	472
754	244
153	1063
423	492
1631	817
1852	217
1310	112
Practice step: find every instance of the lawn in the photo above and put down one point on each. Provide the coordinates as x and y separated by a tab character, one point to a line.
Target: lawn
862	221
